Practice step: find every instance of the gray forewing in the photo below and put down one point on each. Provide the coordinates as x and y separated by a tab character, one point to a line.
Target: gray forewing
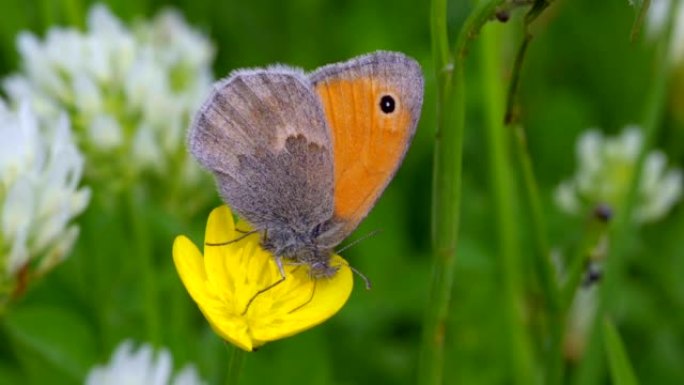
264	136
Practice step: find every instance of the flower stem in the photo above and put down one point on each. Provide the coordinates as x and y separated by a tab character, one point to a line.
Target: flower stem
544	268
543	265
144	256
503	192
237	360
589	371
510	116
446	198
74	12
639	20
446	177
47	13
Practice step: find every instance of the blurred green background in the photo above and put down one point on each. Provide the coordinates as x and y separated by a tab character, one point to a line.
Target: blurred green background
581	72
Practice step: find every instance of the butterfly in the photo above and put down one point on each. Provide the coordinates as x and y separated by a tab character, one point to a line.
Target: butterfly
303	157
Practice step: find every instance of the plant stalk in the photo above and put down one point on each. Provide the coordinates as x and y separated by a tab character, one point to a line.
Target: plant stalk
237	360
146	269
503	194
624	227
446	177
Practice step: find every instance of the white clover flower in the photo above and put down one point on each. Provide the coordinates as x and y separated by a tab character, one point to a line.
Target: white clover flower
605	167
143	366
40	171
130	92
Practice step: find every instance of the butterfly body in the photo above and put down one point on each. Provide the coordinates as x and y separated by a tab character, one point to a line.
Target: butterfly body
303	157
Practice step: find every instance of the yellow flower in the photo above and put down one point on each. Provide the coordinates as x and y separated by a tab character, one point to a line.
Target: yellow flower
235	286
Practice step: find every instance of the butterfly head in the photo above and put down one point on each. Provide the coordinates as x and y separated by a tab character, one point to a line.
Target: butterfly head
301	248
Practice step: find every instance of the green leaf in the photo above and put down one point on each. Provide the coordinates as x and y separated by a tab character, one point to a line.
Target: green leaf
52	334
620	367
9	374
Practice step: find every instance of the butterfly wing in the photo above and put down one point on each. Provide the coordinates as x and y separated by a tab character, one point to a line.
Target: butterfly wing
372	104
264	136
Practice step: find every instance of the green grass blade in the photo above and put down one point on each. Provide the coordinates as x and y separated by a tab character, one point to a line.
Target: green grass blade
620	368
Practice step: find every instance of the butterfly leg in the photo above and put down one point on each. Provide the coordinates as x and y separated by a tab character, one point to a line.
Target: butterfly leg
244	235
281	269
313	291
262	291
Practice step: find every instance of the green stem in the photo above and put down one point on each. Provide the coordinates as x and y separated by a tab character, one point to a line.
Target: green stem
446	178
543	265
511	117
503	192
639	20
146	269
95	273
537	9
440	41
237	360
47	14
589	372
621	368
592	234
544	268
446	199
74	12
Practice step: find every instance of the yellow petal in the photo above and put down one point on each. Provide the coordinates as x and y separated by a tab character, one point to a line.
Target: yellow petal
253	269
218	253
229	326
220	226
243	225
190	266
234	286
300	303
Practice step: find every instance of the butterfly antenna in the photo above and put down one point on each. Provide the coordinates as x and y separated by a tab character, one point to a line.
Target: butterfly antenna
363	238
360	274
353	243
